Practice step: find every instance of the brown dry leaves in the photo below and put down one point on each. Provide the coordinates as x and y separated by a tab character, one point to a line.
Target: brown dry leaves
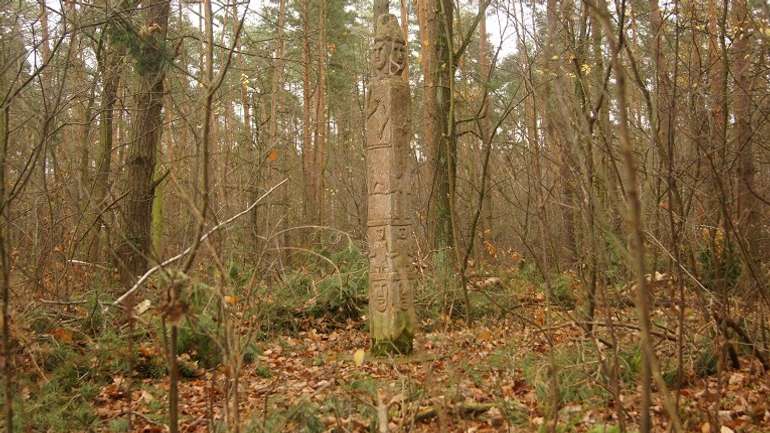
462	380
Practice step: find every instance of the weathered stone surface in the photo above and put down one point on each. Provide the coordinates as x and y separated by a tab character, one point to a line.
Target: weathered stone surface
389	51
390	229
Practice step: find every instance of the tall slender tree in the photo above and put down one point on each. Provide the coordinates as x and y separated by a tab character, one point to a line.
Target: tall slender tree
436	32
308	162
319	147
276	99
109	64
744	88
5	271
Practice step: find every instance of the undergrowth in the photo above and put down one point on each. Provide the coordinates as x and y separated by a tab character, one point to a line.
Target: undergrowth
79	350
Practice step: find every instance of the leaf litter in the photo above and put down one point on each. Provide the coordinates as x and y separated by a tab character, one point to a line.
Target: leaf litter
479	379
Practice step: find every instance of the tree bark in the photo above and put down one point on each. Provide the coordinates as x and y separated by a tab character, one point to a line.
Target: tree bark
435	18
276	99
5	269
485	121
555	126
717	144
748	215
145	137
109	65
308	162
319	148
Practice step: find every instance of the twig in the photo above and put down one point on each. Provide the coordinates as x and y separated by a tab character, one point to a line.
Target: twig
464	409
668	334
54	302
171	260
148	419
93	265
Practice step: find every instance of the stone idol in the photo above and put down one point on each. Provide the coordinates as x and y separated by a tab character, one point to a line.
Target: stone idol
389	183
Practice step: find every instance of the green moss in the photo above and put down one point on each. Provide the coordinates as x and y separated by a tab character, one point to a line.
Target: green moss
263	372
605	428
118	425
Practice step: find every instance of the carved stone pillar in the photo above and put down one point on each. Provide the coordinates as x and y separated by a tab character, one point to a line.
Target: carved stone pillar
389	184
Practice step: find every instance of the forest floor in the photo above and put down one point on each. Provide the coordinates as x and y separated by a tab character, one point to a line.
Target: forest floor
487	378
83	368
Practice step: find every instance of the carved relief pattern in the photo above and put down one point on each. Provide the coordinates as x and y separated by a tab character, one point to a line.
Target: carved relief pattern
389	51
389	183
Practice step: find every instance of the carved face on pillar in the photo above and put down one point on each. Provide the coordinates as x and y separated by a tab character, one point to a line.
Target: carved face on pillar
380	296
404	295
389	53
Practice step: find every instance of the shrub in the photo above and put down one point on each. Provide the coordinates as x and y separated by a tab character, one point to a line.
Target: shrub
706	361
196	338
720	262
562	290
630	363
341	296
573	373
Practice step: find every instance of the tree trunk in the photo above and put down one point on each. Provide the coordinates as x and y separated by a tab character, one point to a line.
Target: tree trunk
5	267
308	163
110	73
435	18
319	148
748	215
556	125
717	144
485	121
147	127
80	143
635	230
46	85
276	99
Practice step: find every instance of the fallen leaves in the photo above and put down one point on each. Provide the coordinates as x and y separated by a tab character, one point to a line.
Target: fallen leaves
62	335
706	428
358	357
460	380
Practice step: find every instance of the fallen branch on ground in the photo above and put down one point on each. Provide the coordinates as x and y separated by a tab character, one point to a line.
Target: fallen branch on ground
462	409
